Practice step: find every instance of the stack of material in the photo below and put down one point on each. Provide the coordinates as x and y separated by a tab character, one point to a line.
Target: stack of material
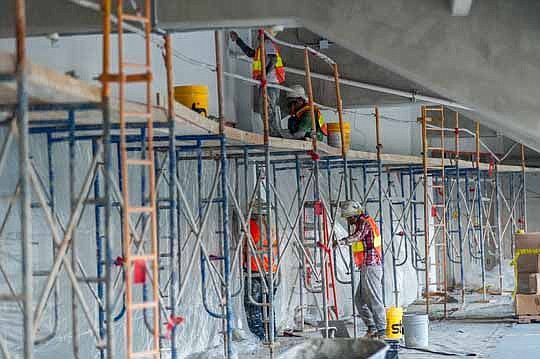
528	274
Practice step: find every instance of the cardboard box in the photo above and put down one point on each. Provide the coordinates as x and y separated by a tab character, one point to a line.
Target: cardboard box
527	240
528	283
534	283
527	304
523	283
528	263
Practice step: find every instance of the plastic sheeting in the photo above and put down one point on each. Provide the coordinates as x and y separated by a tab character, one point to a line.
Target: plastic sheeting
199	333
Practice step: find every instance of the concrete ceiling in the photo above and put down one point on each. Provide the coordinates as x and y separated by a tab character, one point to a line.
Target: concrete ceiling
351	67
488	60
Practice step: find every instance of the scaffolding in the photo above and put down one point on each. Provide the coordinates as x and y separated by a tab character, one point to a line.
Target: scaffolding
138	159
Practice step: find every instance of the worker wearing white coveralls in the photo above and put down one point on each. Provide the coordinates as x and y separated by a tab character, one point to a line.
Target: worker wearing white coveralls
275	73
365	241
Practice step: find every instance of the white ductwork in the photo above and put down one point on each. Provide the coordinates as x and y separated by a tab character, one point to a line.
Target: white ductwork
460	7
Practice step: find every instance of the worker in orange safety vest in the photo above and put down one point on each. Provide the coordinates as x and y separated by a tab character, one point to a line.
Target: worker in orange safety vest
275	74
366	246
258	261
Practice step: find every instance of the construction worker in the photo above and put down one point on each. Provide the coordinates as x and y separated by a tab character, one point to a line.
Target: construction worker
258	261
299	122
366	247
275	74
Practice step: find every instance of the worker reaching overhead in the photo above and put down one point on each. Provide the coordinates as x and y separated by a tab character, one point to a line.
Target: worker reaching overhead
365	241
275	74
299	122
259	266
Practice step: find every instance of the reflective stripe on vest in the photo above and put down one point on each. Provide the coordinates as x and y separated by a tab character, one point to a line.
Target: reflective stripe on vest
279	68
318	115
358	246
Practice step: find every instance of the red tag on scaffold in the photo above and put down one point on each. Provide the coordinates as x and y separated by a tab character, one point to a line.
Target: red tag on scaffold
491	167
139	271
173	322
433	211
318	208
314	155
119	261
324	247
521	221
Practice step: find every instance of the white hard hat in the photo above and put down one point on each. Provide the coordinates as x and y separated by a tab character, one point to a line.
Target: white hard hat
274	30
350	209
297	91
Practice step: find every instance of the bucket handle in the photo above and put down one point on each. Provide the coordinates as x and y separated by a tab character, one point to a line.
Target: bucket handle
199	110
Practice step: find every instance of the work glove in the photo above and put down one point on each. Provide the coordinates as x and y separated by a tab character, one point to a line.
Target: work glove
341	242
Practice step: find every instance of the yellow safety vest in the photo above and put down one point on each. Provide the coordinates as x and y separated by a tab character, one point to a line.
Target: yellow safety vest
318	116
358	248
279	68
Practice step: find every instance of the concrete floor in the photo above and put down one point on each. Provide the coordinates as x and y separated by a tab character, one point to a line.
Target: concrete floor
478	328
522	341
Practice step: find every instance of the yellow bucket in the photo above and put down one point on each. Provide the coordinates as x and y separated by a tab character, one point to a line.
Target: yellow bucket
193	96
394	325
334	134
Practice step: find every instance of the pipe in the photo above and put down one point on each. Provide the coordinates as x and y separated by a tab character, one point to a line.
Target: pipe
379	198
219	81
72	194
172	186
524	185
458	208
479	203
498	228
386	90
24	175
426	208
226	255
394	269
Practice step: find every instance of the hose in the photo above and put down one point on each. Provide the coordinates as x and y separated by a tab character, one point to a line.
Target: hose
439	352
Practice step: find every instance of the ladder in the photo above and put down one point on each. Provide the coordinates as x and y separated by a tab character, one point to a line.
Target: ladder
138	255
436	207
312	209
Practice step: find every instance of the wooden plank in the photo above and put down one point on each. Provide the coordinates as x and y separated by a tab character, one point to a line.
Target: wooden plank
46	85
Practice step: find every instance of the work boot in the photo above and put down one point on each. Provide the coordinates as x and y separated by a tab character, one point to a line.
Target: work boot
380	335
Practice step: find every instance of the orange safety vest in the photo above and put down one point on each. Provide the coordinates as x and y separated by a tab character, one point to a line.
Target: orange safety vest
318	116
262	248
358	246
256	67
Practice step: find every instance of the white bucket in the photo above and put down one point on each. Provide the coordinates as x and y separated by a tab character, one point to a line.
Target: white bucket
416	330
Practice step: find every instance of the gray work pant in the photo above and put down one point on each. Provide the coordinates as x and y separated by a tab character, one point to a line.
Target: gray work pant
274	112
368	298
